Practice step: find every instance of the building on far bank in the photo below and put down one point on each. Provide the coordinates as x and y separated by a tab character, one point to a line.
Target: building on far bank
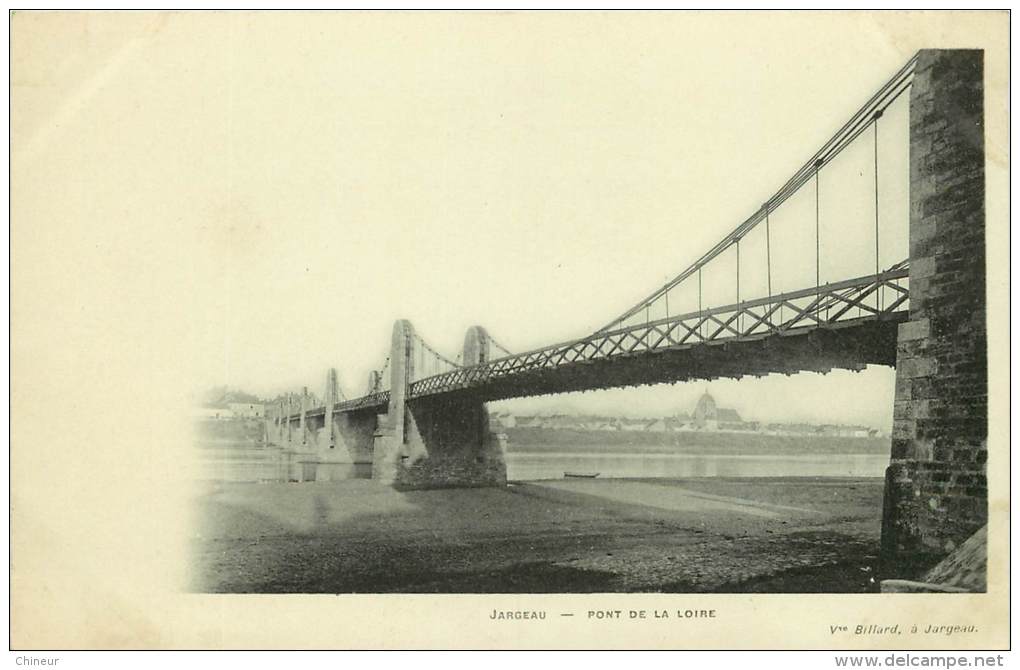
709	416
248	409
212	413
706	417
227	411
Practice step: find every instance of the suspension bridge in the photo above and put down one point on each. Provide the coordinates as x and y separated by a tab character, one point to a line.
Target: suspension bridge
915	302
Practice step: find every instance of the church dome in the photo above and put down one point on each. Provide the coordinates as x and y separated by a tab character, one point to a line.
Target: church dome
706	408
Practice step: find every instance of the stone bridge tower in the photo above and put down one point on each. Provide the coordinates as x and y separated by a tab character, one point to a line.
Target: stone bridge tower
936	489
436	442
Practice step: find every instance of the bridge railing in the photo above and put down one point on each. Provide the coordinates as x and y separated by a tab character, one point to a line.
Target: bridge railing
834	305
829	306
370	400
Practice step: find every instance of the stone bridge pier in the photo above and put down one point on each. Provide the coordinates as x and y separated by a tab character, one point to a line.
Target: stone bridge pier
936	492
440	442
321	446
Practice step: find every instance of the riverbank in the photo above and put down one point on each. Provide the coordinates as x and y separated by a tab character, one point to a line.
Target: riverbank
689	442
689	535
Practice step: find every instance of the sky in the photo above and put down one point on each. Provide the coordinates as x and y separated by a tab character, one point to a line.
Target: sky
259	197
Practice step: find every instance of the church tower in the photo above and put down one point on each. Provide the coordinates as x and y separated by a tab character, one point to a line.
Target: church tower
706	416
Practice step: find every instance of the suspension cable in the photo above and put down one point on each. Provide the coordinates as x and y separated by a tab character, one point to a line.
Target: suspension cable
435	353
740	316
737	245
818	276
499	346
701	333
380	382
768	252
857	124
878	294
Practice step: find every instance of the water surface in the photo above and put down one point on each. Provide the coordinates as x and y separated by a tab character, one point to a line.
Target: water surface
552	465
245	463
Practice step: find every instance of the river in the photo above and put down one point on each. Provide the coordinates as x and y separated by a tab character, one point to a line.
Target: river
552	465
245	463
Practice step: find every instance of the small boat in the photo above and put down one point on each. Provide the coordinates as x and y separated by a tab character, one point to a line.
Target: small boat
581	475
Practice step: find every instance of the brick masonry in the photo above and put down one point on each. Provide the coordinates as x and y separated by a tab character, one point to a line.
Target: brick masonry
440	442
438	471
450	445
936	488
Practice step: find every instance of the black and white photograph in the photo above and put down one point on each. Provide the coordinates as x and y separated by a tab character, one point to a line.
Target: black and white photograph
596	317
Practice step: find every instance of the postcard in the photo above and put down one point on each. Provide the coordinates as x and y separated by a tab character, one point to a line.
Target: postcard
509	330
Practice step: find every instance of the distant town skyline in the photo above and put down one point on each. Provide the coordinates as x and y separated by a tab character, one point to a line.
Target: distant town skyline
859	398
863	398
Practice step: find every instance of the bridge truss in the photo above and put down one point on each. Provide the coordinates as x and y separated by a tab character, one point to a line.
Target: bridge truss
882	296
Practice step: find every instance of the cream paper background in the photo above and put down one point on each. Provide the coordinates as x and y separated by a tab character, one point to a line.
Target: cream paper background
112	280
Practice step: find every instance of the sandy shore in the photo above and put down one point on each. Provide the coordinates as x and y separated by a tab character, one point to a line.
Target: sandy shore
693	535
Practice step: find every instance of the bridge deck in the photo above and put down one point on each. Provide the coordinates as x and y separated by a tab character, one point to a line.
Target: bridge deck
840	325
